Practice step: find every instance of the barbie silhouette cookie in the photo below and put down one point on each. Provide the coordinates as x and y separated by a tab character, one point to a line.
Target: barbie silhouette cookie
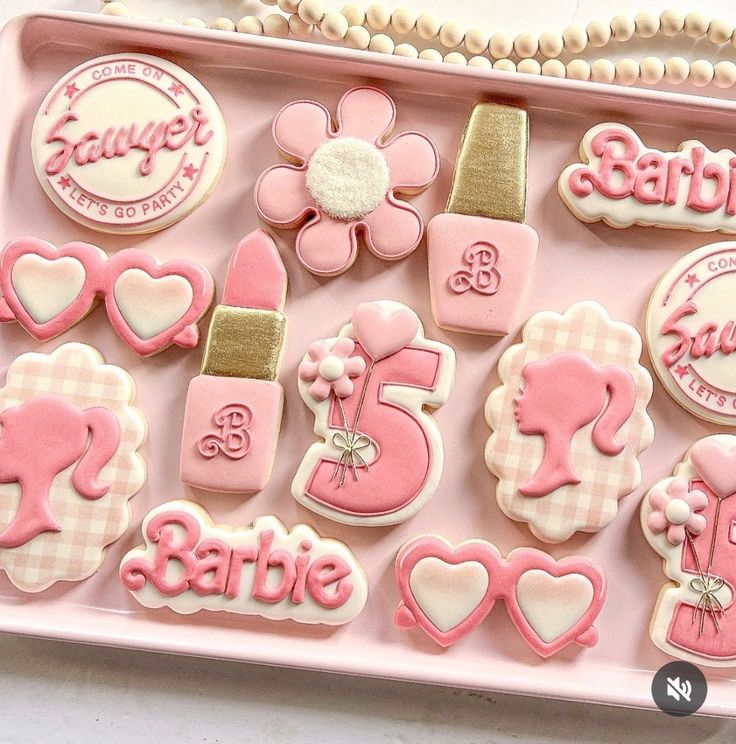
68	464
689	519
569	421
344	181
381	455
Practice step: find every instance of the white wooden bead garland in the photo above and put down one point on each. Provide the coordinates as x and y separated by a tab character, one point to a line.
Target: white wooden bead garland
370	28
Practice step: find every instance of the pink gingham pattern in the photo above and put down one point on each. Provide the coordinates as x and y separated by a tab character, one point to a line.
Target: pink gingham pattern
514	457
76	372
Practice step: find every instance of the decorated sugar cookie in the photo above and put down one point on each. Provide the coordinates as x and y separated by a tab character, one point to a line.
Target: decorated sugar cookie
128	143
69	436
449	591
623	182
569	421
150	305
690	520
188	563
344	180
380	457
691	332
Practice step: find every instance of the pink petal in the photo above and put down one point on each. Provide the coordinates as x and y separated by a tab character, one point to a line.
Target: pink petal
696	523
327	246
354	366
281	196
308	371
300	128
676	534
318	350
344	347
697	500
678	488
658	499
343	387
320	389
413	161
394	229
657	522
366	113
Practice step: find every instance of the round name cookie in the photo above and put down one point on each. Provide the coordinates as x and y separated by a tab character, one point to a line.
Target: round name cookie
691	332
128	144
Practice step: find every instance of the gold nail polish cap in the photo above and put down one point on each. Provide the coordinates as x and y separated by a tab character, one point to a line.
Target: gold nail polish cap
491	167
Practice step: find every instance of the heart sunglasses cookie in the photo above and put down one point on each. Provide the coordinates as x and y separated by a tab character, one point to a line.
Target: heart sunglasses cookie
150	305
448	591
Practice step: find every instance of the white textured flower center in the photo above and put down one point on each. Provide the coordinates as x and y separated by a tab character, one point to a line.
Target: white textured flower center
348	177
677	511
331	368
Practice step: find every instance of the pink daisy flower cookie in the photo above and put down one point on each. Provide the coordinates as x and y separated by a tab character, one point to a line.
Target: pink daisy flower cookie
343	182
674	509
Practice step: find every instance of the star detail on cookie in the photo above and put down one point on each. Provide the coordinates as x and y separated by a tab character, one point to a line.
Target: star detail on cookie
681	370
71	90
692	280
65	182
177	89
190	171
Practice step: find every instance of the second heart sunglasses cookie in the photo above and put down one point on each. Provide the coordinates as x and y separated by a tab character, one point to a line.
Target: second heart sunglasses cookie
150	305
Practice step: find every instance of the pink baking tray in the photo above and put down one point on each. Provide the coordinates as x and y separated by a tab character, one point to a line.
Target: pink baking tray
251	79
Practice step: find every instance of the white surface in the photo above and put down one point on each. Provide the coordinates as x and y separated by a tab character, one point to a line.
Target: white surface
62	693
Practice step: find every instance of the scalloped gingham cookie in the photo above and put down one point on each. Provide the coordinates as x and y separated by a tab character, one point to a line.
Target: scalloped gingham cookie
69	463
569	421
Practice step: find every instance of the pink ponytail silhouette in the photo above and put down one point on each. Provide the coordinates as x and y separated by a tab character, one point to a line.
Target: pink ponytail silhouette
562	394
39	439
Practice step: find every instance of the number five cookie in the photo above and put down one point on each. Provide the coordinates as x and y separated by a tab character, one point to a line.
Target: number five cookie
381	456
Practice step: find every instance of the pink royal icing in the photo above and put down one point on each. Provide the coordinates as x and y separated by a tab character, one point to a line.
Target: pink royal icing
150	305
335	197
448	591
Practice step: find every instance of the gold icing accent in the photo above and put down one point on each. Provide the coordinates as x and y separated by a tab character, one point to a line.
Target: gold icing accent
490	173
244	343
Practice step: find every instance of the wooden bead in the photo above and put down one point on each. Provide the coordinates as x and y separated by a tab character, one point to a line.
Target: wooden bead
627	71
671	23
647	25
719	32
500	46
430	55
299	29
249	25
676	70
223	24
406	50
456	58
378	17
194	23
428	26
451	34
622	28
334	26
554	68
505	65
357	37
311	11
382	43
403	21
116	9
354	14
578	69
478	61
651	70
575	39
288	6
476	42
276	26
526	45
602	71
701	73
599	33
550	45
724	74
529	66
696	25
